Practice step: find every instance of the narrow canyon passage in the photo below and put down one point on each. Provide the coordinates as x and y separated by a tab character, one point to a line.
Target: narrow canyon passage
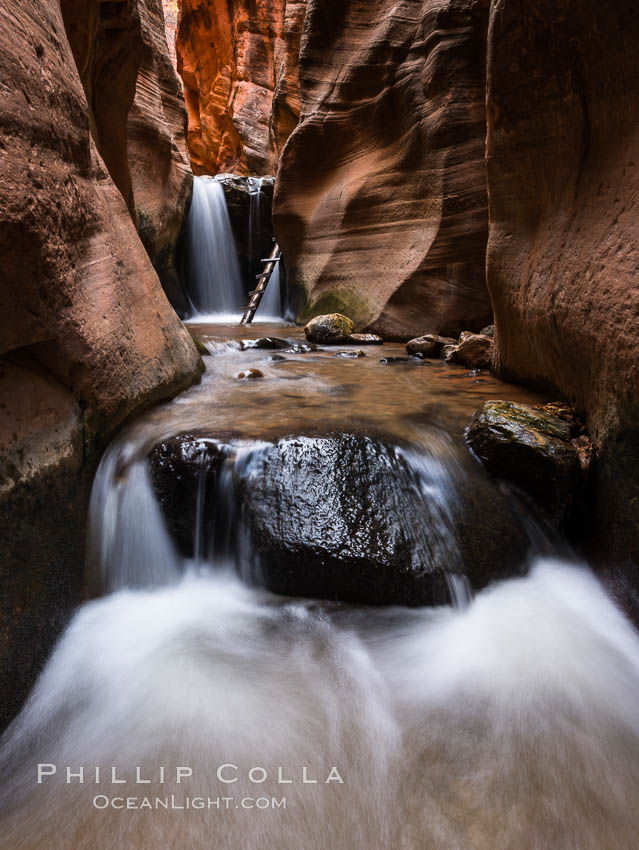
236	717
319	425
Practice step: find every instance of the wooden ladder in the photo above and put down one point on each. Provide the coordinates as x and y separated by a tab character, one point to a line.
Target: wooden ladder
262	282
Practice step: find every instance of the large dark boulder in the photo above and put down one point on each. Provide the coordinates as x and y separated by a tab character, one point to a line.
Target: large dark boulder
181	468
532	449
353	518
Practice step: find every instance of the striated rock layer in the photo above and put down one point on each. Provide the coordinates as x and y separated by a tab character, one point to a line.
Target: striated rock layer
239	66
563	255
381	207
138	119
171	12
86	333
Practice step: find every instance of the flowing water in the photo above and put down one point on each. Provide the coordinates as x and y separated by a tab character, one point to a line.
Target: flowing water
271	303
213	279
234	718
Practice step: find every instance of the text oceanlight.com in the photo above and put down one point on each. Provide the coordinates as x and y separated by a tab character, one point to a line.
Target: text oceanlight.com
173	803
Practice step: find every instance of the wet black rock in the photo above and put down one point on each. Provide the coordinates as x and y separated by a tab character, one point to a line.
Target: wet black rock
346	517
354	353
178	466
391	360
489	330
276	358
355	519
267	343
531	449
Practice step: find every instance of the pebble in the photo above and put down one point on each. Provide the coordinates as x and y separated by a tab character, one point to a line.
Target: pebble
250	375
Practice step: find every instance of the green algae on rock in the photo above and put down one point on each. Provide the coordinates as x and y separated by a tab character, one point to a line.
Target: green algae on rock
332	327
531	449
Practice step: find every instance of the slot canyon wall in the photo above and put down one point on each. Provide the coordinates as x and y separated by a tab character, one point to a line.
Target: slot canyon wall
563	253
381	203
138	118
239	66
87	335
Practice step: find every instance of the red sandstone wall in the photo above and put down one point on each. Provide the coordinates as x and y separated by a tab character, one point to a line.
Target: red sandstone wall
171	12
381	205
563	254
87	335
238	63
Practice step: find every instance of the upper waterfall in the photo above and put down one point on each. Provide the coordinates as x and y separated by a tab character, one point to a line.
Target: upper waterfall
214	282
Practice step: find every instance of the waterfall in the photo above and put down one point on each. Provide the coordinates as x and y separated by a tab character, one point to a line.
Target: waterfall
271	303
213	279
255	216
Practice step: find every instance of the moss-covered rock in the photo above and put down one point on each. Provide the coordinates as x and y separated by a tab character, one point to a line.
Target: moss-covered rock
329	328
530	448
203	350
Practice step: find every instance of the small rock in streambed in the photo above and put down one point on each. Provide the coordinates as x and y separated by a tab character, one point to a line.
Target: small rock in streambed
250	375
351	353
276	358
265	342
446	352
389	360
474	351
366	339
531	449
330	328
429	345
300	348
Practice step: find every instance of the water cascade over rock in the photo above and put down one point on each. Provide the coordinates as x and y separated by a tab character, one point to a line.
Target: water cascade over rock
192	693
300	527
391	727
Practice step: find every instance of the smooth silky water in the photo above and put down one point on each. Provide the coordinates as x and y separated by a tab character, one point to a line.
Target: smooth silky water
213	278
510	722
